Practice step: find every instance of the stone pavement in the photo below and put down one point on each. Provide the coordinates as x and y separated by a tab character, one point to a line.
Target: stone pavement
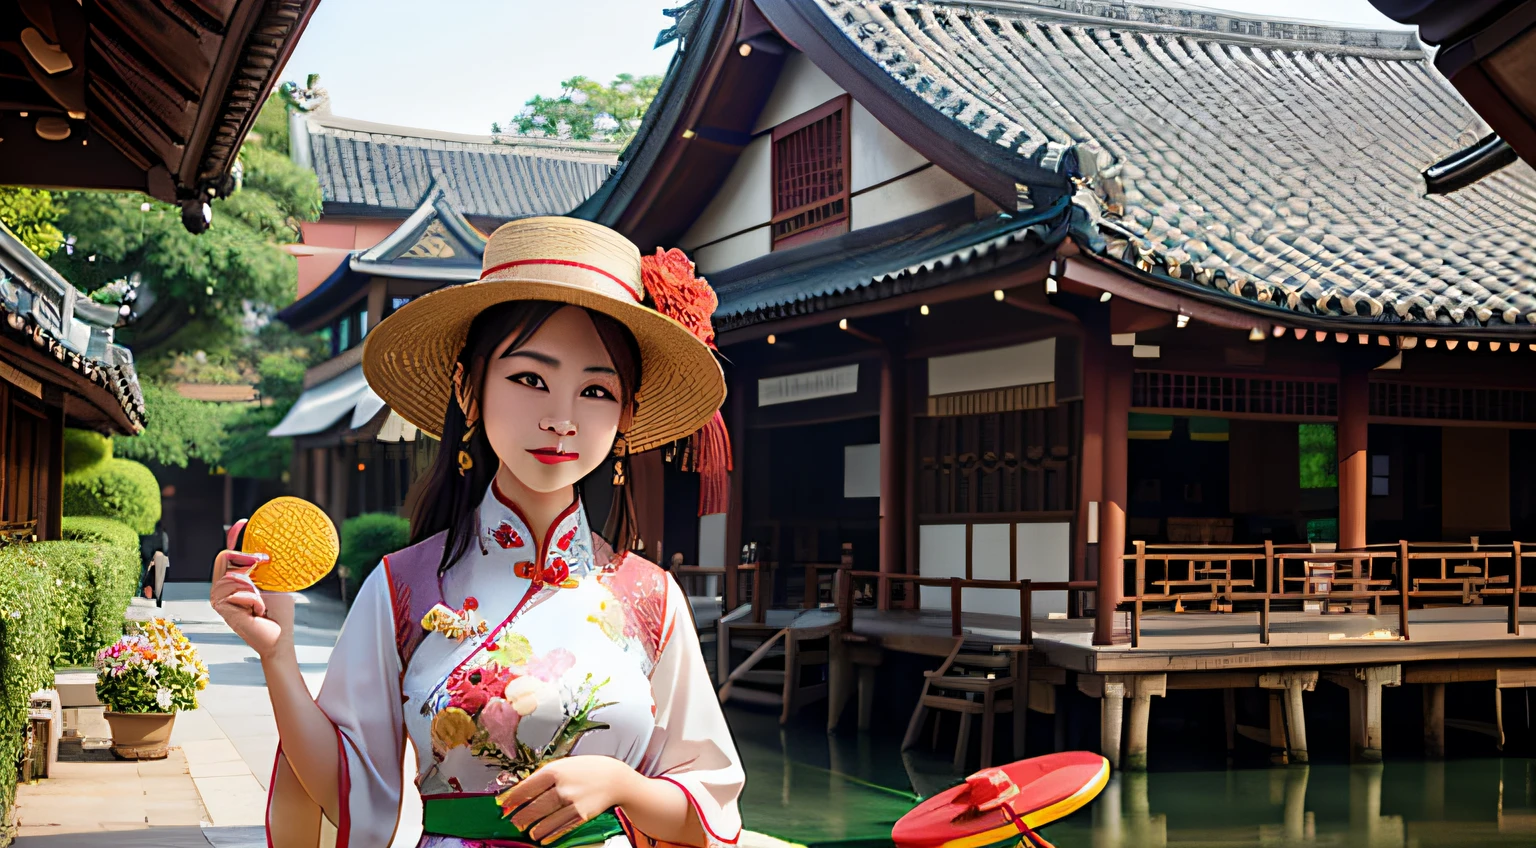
211	790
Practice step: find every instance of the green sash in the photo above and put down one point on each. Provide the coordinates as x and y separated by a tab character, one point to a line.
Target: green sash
479	817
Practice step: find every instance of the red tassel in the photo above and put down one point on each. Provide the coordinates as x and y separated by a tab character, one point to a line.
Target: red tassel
714	461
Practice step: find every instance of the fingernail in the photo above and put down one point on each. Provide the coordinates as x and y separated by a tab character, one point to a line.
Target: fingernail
243	560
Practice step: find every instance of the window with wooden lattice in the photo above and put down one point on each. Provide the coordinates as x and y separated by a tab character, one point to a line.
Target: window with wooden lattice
811	183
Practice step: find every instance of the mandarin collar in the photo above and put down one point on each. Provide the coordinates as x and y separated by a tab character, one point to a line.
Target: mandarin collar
565	548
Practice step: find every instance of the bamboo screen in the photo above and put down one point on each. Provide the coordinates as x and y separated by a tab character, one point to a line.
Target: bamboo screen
810	173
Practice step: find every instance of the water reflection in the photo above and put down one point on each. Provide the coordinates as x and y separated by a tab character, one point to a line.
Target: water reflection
1395	805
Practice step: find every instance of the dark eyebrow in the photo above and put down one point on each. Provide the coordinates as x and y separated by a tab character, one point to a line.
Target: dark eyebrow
536	357
602	369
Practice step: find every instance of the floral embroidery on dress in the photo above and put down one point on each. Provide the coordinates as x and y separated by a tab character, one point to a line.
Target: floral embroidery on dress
455	623
506	536
641	589
609	615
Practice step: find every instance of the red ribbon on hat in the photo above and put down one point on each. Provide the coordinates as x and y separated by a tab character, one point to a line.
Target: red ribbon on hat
688	299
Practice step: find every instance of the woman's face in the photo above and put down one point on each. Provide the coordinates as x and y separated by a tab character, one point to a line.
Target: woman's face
551	408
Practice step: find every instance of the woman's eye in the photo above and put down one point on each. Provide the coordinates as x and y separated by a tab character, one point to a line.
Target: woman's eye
600	392
529	379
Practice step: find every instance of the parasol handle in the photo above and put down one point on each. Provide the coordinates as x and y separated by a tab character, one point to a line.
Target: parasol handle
1030	838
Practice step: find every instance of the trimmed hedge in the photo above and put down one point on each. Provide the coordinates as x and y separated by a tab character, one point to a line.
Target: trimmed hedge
29	639
60	603
115	488
84	450
366	538
100	531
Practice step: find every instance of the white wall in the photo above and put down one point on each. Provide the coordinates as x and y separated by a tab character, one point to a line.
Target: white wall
998	368
861	471
734	226
1044	554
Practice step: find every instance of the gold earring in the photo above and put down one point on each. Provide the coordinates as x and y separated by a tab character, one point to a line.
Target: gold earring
466	462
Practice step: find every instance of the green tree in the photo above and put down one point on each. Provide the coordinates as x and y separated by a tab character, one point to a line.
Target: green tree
587	110
32	215
202	290
178	429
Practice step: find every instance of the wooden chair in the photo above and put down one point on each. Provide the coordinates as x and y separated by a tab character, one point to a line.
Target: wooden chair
972	681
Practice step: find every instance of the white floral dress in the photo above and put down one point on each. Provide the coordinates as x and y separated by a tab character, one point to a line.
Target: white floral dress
565	649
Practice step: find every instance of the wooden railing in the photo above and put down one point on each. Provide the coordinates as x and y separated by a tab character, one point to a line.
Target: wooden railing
1371	574
1025	588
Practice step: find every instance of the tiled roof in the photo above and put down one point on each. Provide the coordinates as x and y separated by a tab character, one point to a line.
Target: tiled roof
880	262
41	307
1276	161
366	166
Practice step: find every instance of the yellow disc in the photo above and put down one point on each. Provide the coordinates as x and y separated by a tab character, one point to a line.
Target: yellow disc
299	538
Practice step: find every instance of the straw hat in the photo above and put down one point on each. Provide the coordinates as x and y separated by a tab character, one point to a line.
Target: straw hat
408	359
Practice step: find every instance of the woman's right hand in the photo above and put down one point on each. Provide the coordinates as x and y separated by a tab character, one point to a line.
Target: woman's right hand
265	622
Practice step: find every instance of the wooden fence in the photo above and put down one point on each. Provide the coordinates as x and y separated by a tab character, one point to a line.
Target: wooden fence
1256	576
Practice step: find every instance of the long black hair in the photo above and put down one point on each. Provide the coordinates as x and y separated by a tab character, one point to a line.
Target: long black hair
448	500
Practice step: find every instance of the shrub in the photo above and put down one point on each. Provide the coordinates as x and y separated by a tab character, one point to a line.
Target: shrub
100	531
153	669
366	538
93	584
84	449
117	488
29	635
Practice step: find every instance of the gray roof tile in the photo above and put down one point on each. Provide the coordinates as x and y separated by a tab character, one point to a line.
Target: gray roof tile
1273	160
386	167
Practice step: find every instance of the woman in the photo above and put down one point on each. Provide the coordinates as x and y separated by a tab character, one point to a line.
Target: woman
553	689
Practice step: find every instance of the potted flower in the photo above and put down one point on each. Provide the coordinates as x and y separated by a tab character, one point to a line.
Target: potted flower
143	679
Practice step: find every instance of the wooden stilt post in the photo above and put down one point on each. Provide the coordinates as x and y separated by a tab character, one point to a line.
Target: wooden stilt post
736	510
1277	750
1364	687
1290	685
1434	720
1111	713
1229	714
1141	690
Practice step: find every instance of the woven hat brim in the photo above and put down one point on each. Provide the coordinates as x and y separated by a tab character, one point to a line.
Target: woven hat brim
408	359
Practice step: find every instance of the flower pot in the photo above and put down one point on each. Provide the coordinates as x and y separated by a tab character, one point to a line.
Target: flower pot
141	736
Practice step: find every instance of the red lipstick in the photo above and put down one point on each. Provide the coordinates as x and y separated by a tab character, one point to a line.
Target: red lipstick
550	456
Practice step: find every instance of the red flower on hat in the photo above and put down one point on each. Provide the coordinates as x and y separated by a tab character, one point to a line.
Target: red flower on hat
679	295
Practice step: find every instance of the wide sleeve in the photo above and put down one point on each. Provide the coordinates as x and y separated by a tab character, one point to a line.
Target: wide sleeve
692	746
361	696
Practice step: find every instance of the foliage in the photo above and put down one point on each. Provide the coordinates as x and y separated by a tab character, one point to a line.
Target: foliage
205	288
587	110
84	449
1319	456
32	215
152	670
29	631
92	585
117	488
100	531
178	429
249	451
366	538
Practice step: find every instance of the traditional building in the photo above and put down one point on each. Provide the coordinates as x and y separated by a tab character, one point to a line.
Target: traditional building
1004	287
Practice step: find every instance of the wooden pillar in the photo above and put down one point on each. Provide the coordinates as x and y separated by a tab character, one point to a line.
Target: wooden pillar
736	422
1277	750
1354	460
51	527
1434	720
893	410
1090	490
1117	412
647	473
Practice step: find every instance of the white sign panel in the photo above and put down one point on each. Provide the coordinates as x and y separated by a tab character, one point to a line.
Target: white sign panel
808	385
861	471
999	368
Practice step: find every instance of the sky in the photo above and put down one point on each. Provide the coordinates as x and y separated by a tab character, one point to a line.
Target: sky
459	65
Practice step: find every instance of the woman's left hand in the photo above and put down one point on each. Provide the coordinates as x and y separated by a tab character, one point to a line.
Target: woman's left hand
567	793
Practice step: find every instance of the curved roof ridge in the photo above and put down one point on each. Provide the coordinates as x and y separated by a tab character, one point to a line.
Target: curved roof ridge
1199	21
553	148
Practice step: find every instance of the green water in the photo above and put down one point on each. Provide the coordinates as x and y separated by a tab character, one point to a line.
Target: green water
809	789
